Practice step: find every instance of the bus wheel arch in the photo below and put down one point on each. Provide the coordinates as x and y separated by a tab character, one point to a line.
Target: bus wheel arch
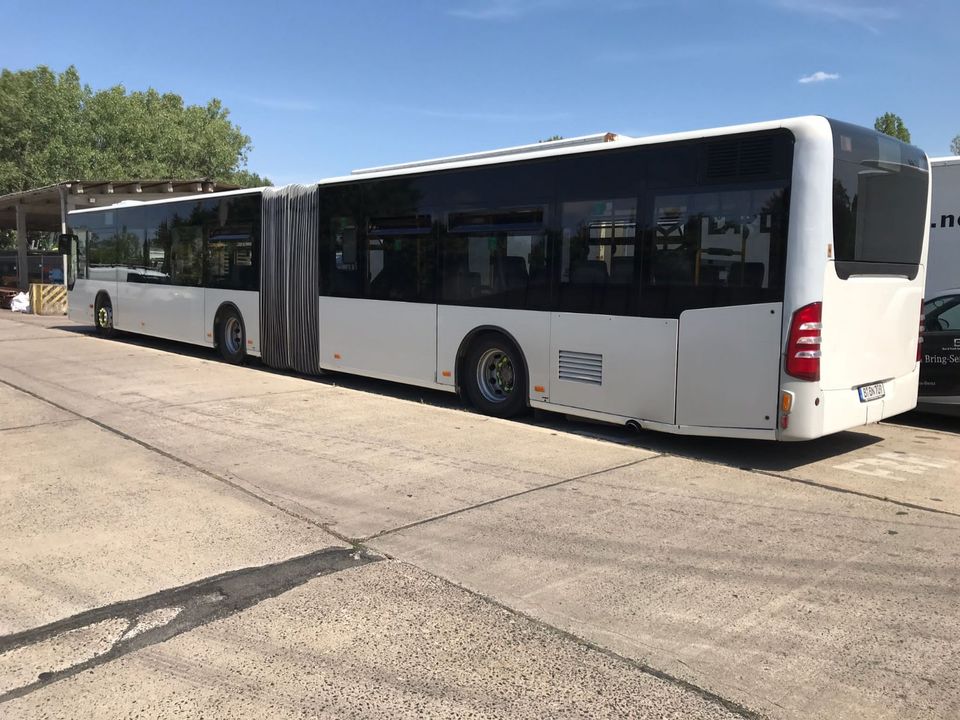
103	314
230	333
493	345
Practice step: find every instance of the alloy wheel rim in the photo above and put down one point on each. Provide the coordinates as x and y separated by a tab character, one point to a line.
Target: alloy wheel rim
496	376
233	335
105	317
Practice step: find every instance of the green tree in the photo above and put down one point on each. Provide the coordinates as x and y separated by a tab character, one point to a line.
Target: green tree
53	128
551	138
892	125
955	145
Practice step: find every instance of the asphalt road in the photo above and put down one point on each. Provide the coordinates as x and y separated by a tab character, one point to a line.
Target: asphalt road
183	538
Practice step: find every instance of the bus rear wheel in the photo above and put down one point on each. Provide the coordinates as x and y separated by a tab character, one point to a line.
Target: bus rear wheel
103	316
231	337
495	379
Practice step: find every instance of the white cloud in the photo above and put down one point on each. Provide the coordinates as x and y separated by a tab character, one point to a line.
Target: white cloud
482	116
818	77
867	16
290	104
507	10
496	10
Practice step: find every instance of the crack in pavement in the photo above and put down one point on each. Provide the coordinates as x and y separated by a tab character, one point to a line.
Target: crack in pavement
39	424
503	498
158	617
32	339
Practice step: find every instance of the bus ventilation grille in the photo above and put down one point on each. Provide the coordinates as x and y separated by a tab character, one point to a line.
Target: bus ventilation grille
740	158
581	367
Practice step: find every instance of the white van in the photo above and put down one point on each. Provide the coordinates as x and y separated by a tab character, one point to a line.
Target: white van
940	366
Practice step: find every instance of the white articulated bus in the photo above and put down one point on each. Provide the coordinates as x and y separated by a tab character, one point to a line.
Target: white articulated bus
757	281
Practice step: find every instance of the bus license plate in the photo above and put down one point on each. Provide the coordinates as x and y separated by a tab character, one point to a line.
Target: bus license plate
870	392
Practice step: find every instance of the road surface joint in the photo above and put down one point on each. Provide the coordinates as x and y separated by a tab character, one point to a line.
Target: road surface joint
504	498
730	705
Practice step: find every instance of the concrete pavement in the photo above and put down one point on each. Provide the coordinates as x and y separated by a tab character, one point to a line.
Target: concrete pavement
767	593
383	641
796	581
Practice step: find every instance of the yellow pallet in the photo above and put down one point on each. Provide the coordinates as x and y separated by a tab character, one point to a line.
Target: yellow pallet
48	299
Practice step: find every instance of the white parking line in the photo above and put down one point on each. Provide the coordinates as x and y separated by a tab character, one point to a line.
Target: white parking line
889	464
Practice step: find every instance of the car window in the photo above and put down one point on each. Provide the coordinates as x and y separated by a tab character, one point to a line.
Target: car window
942	314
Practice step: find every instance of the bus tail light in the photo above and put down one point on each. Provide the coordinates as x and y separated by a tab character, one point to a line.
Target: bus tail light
786	407
920	336
803	345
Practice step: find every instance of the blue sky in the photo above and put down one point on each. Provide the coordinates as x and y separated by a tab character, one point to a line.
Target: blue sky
325	87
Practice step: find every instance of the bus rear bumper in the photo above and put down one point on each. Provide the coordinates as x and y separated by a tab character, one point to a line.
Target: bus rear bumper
842	409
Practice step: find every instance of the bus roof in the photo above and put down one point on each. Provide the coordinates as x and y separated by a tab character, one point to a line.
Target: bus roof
946	160
542	150
165	201
583	144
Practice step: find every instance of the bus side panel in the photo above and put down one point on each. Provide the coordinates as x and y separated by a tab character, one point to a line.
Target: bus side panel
380	338
172	312
81	299
728	369
630	365
246	301
530	329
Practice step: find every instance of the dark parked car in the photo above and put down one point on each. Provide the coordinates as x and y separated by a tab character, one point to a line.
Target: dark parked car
940	363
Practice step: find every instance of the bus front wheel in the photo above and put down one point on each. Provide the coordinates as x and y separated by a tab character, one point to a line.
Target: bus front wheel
103	316
495	379
231	337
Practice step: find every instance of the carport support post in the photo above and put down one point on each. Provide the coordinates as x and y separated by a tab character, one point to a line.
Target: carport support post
63	225
23	272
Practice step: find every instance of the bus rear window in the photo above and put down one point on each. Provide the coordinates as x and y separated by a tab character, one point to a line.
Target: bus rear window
879	203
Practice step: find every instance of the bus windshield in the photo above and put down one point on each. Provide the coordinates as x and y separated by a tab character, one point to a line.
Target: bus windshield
879	203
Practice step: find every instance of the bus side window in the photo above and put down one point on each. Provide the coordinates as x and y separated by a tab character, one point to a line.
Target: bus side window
102	248
340	258
713	249
186	254
496	258
401	259
598	256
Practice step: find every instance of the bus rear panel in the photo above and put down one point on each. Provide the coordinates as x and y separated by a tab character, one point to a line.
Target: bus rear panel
851	356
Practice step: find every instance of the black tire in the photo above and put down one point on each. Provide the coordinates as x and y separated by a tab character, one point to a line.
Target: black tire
231	337
103	316
495	377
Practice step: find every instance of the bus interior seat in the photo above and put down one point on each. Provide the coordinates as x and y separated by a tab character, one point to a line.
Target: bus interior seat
246	276
709	275
588	272
509	273
672	268
458	282
345	282
747	274
621	270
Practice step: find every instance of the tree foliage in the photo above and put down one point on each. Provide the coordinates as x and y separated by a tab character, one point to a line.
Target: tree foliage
955	145
53	128
892	125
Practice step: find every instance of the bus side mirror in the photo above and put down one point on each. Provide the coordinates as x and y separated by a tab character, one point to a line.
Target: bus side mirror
66	244
69	245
